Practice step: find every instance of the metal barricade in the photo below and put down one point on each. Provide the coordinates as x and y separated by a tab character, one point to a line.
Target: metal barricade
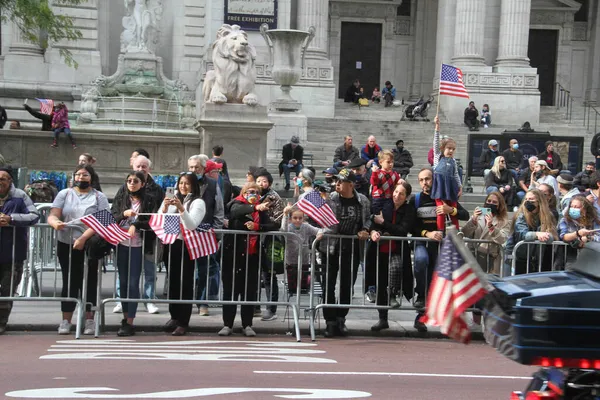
42	257
549	256
231	268
329	273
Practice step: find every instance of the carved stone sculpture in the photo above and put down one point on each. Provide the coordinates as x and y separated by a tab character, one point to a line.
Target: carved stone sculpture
141	32
234	74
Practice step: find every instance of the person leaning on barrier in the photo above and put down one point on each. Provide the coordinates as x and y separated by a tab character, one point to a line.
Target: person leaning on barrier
578	226
71	204
426	254
548	192
533	221
191	209
391	273
240	266
130	257
17	212
494	226
342	256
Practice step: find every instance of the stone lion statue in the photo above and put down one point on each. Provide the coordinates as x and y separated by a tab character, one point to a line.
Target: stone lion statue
234	75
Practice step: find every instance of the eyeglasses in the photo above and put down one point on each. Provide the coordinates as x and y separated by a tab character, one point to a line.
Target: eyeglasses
133	181
502	162
4	179
82	175
186	173
251	192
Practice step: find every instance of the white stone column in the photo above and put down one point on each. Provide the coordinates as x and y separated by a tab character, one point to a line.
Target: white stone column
24	60
468	37
514	34
446	19
315	13
593	91
20	45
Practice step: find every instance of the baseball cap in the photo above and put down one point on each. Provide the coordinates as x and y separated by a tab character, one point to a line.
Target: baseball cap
543	163
493	142
346	175
211	166
330	171
565	179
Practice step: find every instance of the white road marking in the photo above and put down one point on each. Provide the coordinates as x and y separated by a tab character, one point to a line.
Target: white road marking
391	374
83	393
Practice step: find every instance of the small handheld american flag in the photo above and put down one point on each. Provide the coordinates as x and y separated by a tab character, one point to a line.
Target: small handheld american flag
451	82
454	288
318	209
105	225
46	105
166	227
200	242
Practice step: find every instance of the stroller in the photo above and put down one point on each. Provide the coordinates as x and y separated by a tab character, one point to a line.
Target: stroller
417	110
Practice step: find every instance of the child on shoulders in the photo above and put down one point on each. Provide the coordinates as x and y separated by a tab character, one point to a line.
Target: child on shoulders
383	183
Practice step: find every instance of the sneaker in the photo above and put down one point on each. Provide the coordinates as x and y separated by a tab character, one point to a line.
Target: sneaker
394	302
257	312
151	308
486	126
54	145
268	316
341	326
330	330
370	296
515	209
74	147
170	326
420	303
64	328
203	311
125	329
225	331
249	332
118	309
287	187
90	327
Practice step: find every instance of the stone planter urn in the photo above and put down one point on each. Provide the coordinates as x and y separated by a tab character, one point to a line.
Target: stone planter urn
287	48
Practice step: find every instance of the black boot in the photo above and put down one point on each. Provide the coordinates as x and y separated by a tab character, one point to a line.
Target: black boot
330	330
420	326
125	329
343	330
381	324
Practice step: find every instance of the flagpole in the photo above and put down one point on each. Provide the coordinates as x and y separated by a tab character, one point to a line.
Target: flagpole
437	111
469	258
143	214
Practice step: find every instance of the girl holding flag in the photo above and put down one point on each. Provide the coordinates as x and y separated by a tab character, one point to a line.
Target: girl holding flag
190	209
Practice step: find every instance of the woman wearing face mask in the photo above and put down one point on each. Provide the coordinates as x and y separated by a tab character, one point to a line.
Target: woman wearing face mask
240	261
533	221
191	209
578	226
304	183
132	253
500	180
71	204
494	225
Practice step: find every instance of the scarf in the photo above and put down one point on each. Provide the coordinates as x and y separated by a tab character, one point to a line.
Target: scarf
253	239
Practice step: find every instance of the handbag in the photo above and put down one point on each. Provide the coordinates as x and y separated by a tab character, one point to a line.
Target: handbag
97	248
363	102
275	254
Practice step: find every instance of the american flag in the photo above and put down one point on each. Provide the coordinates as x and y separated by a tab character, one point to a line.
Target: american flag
451	82
46	105
201	241
454	288
166	227
318	209
105	225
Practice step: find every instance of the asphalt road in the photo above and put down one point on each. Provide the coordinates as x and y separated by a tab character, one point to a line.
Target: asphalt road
46	366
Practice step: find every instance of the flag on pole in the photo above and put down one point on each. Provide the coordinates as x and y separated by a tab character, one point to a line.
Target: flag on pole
105	225
200	242
451	82
318	209
166	227
46	105
454	288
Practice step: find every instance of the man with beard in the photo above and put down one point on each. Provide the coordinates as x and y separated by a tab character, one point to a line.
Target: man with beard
345	154
426	253
403	161
362	185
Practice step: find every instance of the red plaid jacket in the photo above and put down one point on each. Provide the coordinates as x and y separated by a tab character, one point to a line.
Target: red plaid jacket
383	184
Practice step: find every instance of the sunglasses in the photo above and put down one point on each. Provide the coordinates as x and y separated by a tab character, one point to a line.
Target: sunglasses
186	173
133	181
251	192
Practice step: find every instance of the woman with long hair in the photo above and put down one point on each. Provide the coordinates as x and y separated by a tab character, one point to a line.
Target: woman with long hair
88	159
493	226
533	221
579	226
132	253
543	174
500	179
69	205
191	209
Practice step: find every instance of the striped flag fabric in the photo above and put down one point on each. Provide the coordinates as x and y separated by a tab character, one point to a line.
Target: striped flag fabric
46	106
451	82
200	242
105	225
317	208
166	227
454	288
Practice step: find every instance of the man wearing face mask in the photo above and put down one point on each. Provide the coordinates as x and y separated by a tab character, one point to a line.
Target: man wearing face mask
583	180
514	158
567	190
330	178
403	161
362	185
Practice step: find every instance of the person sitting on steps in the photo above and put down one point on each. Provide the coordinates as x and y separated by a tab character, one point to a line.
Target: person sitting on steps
472	117
389	93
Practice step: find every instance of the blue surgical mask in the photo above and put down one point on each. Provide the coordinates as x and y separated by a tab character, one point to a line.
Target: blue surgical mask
299	182
200	176
574	213
516	146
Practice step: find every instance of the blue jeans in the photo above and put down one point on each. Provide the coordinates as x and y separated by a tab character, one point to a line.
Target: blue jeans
130	271
515	174
149	281
491	189
597	164
67	132
270	281
425	259
521	195
208	265
287	170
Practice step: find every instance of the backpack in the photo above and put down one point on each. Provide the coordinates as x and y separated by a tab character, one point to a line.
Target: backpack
274	254
41	191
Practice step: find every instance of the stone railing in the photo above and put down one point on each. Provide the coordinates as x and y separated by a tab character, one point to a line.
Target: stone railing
502	80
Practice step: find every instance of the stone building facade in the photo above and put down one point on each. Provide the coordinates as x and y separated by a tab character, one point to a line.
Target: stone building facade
513	53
